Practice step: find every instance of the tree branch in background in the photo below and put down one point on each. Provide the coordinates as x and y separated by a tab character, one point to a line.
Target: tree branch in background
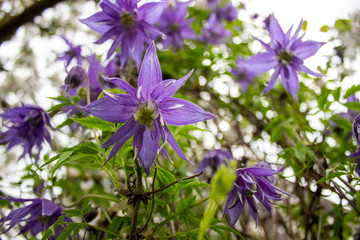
9	26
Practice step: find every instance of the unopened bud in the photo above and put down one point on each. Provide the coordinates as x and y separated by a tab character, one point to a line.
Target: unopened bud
75	77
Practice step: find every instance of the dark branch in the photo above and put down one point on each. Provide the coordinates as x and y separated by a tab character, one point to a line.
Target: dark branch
9	26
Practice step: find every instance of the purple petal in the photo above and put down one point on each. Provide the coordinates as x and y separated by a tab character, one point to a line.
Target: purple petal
49	207
137	51
259	171
304	69
107	35
150	72
149	150
105	108
273	79
164	91
262	62
176	111
307	49
120	137
109	9
114	45
252	206
151	12
172	142
275	30
290	81
93	22
122	84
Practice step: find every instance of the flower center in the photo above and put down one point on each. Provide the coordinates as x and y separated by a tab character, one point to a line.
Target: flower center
174	27
146	113
285	57
127	19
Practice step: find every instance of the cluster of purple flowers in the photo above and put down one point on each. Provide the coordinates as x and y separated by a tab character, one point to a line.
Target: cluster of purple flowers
40	215
148	109
26	125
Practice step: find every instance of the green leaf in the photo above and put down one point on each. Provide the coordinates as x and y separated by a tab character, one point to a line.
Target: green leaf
64	158
331	176
86	210
358	200
72	212
115	224
276	134
352	90
300	151
342	123
94	122
353	106
68	230
185	203
164	178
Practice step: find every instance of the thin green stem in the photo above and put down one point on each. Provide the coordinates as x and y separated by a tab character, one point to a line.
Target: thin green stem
163	188
91	196
93	226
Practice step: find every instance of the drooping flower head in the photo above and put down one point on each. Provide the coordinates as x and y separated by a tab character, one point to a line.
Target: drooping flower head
75	77
39	215
252	183
175	26
286	55
356	132
213	159
26	125
128	25
244	73
96	84
73	53
146	111
214	32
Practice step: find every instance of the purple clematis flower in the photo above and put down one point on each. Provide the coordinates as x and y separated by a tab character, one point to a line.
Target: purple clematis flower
174	25
229	12
214	31
146	111
286	55
128	25
244	73
26	125
356	131
39	215
73	53
252	182
213	159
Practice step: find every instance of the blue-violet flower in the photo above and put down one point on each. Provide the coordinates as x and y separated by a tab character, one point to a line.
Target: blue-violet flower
39	215
213	159
128	25
175	26
146	111
251	183
73	53
286	55
27	125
